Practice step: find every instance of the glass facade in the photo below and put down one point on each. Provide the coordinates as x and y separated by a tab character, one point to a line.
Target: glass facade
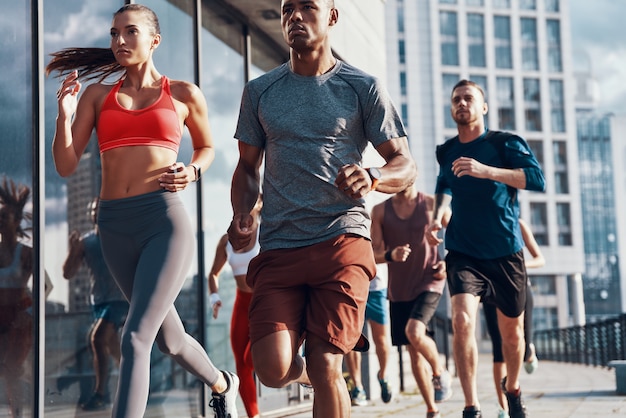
601	280
206	47
17	188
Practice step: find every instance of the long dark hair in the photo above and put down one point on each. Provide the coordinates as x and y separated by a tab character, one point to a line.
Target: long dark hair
13	198
97	63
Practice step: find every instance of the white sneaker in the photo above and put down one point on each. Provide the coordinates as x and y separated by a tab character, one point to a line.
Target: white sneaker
502	413
225	404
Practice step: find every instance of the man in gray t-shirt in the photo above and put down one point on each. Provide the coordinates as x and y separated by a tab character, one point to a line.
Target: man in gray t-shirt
310	121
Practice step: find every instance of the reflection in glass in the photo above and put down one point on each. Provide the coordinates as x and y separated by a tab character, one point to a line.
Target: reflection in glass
70	376
16	253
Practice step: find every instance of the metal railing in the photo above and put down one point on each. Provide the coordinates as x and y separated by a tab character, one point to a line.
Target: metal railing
591	344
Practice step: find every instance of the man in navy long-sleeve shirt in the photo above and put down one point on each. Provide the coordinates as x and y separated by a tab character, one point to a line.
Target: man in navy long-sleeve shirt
480	173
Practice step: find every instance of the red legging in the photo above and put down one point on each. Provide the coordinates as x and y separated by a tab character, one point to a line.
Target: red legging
240	342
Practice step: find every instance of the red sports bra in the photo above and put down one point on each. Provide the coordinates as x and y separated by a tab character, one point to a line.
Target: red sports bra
156	125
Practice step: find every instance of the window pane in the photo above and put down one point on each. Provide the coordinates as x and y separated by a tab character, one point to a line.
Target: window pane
502	4
537	149
564	223
448	82
476	39
530	58
557	106
400	14
502	41
527	4
505	103
401	51
532	104
539	222
561	178
481	80
552	5
553	32
449	38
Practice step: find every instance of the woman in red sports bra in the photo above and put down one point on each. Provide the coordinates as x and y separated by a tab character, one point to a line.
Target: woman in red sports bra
147	238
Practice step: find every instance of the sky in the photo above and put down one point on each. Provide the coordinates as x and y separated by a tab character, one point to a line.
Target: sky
597	29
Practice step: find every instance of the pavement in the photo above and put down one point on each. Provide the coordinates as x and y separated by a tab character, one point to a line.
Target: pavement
554	390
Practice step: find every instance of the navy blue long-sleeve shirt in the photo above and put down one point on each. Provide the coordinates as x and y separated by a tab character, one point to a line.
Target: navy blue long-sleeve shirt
485	213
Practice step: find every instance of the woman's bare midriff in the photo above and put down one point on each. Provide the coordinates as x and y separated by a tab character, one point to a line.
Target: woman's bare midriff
241	283
133	170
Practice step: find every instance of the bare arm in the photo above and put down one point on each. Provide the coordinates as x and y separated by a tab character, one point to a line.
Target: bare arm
441	216
218	264
244	194
531	244
398	173
397	254
74	124
180	175
75	256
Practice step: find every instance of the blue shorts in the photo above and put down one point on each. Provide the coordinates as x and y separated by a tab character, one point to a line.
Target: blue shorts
113	312
377	308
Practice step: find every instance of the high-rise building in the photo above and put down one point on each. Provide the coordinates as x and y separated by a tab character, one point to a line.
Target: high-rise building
82	187
601	185
519	52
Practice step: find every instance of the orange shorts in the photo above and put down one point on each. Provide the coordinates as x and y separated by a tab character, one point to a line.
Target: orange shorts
319	289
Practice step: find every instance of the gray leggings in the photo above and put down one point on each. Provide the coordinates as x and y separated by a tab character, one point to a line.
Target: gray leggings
148	244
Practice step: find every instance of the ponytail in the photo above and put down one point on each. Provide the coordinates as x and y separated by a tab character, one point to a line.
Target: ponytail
91	63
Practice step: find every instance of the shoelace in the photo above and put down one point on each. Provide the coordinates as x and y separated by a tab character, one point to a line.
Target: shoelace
218	403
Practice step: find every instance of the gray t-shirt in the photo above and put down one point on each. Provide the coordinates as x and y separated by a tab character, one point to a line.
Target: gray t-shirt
309	127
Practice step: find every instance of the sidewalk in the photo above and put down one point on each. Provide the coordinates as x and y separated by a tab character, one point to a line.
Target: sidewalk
555	390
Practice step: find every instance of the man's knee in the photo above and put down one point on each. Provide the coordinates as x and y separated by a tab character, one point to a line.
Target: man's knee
271	375
463	322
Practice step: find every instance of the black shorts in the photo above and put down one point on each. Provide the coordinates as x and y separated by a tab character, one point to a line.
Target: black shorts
422	308
500	281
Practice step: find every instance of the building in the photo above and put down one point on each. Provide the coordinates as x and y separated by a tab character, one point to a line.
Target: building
520	52
218	44
601	183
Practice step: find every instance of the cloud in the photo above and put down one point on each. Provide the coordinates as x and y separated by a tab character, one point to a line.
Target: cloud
597	30
89	24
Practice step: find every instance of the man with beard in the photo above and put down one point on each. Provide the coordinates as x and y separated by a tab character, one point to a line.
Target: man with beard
480	172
